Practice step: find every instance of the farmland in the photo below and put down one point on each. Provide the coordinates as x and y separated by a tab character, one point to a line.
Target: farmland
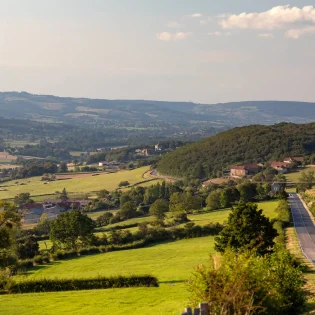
35	186
172	296
294	176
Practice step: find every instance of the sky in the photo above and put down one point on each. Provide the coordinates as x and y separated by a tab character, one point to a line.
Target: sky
178	50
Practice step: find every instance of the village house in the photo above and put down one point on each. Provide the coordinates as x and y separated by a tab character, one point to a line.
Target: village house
281	167
111	165
147	152
298	160
244	169
276	187
158	147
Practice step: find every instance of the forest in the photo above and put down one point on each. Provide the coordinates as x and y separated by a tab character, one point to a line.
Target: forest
252	144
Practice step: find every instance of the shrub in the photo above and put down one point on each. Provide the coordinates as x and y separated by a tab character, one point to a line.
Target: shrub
123	184
248	284
55	285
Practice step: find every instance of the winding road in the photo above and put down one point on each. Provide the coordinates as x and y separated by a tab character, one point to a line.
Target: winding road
304	226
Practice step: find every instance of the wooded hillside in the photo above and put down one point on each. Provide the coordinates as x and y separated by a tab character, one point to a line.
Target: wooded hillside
256	143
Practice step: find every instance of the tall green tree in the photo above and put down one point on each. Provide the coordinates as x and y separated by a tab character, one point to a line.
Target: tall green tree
9	227
127	211
306	180
22	198
72	230
247	229
213	201
247	191
64	195
159	208
63	167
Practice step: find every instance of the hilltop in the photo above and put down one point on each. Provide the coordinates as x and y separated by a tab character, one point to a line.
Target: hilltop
49	108
256	143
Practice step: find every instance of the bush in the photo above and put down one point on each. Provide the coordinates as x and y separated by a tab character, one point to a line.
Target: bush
41	259
55	285
248	284
123	184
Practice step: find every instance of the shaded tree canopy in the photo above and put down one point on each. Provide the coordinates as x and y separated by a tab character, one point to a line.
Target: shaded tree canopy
253	144
247	228
71	230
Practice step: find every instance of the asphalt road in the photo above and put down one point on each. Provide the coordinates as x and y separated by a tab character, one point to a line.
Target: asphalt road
304	226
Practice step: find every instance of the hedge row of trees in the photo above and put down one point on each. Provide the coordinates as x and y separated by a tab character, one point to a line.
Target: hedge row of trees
253	275
9	286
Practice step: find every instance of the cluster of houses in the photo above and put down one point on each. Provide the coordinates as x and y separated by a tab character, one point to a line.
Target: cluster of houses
32	212
110	165
158	148
241	170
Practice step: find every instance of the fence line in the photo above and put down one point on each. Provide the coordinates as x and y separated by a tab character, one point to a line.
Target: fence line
202	310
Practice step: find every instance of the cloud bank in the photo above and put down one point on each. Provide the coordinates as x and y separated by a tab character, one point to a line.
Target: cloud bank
166	36
277	17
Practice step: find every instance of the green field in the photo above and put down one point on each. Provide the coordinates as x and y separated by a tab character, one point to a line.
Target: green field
172	262
294	177
35	186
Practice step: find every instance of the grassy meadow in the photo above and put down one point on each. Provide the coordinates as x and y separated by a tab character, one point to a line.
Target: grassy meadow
172	262
294	176
35	186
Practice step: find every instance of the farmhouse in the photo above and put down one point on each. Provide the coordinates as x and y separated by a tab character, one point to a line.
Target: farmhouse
276	187
147	152
158	147
244	169
281	167
33	212
296	159
111	165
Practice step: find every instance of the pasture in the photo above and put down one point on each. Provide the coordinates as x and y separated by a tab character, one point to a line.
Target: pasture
172	262
294	176
36	187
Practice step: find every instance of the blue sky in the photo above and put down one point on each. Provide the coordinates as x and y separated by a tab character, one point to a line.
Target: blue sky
185	50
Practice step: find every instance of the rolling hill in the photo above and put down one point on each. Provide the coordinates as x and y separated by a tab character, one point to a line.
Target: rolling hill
256	143
114	112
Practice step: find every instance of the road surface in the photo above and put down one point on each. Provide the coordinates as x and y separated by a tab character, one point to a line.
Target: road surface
304	226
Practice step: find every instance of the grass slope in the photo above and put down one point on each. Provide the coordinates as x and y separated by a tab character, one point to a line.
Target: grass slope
35	186
171	262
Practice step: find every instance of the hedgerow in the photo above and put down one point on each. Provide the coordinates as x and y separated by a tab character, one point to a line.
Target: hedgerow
55	285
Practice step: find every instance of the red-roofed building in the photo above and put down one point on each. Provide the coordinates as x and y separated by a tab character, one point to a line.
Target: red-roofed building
281	167
244	169
297	159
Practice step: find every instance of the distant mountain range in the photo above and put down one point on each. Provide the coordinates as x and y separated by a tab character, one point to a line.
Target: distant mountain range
140	112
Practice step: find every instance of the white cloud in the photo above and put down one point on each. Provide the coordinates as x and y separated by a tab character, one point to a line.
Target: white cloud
166	36
174	24
297	33
277	17
215	34
266	35
181	35
196	15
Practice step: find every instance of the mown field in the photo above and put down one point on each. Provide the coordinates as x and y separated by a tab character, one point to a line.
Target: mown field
294	176
172	262
35	186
